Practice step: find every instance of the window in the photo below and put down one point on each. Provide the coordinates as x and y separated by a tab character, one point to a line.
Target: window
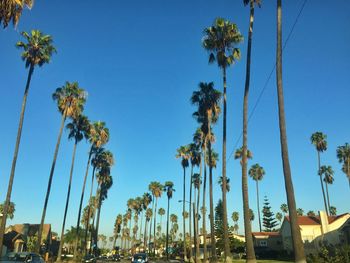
263	243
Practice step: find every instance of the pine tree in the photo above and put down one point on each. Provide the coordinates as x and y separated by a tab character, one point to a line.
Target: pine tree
269	220
219	227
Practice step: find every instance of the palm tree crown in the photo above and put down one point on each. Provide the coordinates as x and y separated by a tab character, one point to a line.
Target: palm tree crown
38	49
169	189
256	172
11	10
220	40
319	140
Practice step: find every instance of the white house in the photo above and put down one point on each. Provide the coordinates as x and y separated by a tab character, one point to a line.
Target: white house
317	229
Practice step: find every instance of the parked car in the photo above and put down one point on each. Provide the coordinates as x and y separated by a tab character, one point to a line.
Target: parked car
139	258
89	259
22	257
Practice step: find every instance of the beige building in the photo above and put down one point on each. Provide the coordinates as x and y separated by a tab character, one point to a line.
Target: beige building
317	229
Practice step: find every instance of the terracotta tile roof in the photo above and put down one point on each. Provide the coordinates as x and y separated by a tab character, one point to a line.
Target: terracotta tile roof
315	220
265	233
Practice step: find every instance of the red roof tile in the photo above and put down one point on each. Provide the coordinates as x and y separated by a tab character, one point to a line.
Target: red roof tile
315	220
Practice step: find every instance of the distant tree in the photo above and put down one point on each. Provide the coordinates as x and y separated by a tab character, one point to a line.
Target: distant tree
269	221
284	208
333	211
169	189
311	213
343	155
235	217
328	173
279	217
300	212
251	215
11	210
219	227
319	140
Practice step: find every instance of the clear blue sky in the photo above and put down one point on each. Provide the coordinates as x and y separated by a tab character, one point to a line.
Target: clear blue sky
140	61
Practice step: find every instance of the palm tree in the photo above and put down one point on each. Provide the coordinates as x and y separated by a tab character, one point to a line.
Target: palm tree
220	40
343	155
284	208
239	154
10	212
319	140
207	99
256	172
195	161
197	181
247	225
169	189
251	215
298	246
70	101
311	213
235	218
36	52
221	183
279	217
183	153
98	136
156	188
300	212
333	210
161	212
78	129
11	10
328	173
148	218
212	159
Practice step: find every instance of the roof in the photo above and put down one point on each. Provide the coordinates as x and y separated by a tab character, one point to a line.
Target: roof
30	229
271	234
315	220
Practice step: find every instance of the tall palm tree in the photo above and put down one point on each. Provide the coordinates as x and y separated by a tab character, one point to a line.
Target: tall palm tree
343	155
183	153
319	140
156	188
169	189
78	129
279	217
256	172
70	101
11	10
284	209
328	173
11	210
37	51
239	154
212	159
149	213
197	181
146	200
207	99
333	211
161	213
247	225
220	40
98	136
298	246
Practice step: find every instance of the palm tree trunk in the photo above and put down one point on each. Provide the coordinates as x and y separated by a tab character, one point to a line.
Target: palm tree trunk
190	215
145	236
67	202
197	216
81	205
194	228
204	207
320	175
63	119
258	203
183	215
154	227
141	219
167	232
212	234
89	209
150	227
328	201
224	203
98	215
14	160
246	215
299	254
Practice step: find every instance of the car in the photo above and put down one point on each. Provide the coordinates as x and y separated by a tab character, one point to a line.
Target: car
139	258
22	257
89	259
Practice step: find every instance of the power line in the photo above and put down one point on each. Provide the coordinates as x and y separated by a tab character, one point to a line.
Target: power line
268	78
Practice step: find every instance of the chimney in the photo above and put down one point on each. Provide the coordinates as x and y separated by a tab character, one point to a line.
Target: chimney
324	222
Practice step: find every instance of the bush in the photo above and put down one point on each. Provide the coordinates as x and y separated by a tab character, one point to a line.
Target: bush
331	254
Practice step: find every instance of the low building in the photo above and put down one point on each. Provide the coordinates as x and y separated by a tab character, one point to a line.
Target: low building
267	240
316	230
